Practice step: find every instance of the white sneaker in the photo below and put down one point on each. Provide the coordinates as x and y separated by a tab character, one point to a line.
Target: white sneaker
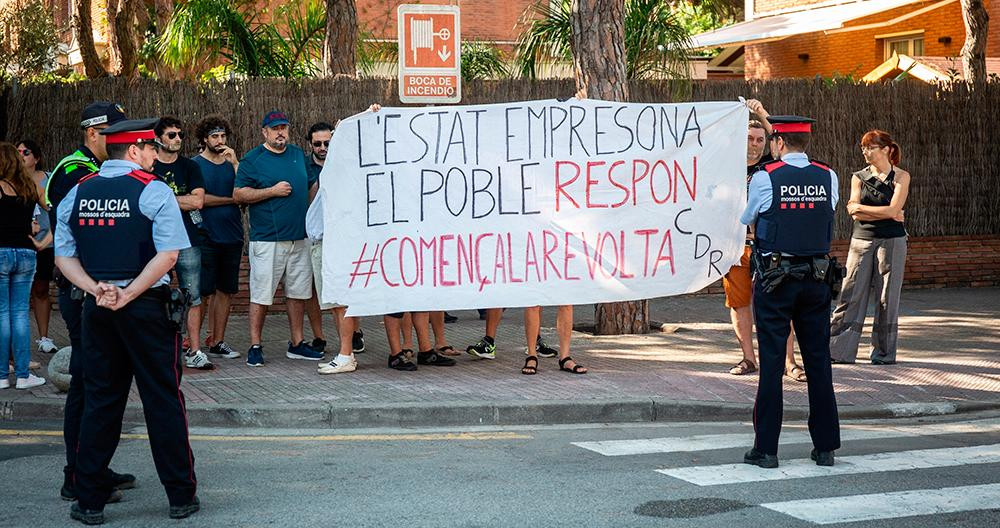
29	382
223	350
4	383
46	345
336	368
198	360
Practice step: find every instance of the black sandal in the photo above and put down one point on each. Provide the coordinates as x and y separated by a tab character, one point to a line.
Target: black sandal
530	370
577	369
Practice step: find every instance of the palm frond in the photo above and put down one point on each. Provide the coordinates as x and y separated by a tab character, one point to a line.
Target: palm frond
547	36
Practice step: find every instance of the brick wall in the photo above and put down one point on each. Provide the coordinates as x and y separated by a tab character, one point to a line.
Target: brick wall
931	262
481	20
767	6
859	52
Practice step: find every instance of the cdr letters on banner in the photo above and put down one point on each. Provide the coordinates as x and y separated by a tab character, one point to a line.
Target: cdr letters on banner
508	199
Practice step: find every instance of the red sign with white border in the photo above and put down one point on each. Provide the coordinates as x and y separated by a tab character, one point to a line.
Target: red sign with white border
430	60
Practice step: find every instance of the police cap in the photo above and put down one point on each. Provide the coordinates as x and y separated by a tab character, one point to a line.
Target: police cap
131	132
790	124
102	113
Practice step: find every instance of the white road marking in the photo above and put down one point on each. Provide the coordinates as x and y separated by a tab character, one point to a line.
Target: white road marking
725	441
848	465
830	510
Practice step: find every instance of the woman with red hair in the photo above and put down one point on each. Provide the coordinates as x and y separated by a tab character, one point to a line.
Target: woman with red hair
877	254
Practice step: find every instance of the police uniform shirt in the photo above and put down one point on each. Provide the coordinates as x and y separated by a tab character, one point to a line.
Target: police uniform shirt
760	192
156	203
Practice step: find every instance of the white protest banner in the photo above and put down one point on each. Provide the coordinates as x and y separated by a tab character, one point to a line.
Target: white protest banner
531	203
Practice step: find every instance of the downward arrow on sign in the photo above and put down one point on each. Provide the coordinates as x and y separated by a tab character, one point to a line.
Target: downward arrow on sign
443	53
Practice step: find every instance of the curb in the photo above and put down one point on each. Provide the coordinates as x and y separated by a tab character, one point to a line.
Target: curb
464	414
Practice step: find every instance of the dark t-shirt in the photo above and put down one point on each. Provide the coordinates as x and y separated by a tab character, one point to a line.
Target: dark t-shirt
312	170
15	222
877	193
759	166
282	218
183	176
223	224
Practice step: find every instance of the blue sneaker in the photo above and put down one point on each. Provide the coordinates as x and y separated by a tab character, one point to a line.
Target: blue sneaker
303	351
255	356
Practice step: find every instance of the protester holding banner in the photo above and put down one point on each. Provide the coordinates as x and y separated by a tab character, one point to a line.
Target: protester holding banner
877	254
273	181
318	144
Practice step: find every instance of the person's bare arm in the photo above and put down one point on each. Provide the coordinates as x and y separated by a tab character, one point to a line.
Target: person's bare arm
212	200
159	266
248	195
74	272
895	208
193	201
757	108
45	241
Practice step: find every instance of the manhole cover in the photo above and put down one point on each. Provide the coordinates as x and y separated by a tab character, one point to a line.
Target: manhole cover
688	508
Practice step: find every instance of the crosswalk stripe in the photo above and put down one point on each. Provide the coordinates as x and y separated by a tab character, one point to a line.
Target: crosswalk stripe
830	510
848	465
725	441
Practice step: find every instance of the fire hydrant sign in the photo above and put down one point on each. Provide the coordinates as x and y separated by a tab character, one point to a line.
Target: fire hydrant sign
430	60
531	203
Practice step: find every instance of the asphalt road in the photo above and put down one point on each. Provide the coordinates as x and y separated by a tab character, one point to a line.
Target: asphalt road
539	476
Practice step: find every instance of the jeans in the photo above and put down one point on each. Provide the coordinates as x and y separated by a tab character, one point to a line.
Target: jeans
17	270
188	270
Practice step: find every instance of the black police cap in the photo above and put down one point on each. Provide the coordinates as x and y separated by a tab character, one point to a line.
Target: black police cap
102	113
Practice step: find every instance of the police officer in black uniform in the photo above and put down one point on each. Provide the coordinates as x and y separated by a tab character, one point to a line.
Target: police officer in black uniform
67	173
119	234
791	204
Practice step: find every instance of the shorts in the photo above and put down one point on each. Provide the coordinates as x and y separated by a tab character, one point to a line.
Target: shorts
287	262
220	267
188	269
317	267
738	284
46	265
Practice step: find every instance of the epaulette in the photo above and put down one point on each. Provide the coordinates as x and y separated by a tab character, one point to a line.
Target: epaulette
820	164
774	165
87	177
142	176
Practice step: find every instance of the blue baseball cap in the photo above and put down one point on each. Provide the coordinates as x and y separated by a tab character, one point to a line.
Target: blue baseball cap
274	118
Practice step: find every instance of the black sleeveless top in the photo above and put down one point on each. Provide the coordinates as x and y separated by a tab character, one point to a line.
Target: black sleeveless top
15	221
878	193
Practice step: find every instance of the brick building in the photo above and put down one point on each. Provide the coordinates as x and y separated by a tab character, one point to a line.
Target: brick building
805	38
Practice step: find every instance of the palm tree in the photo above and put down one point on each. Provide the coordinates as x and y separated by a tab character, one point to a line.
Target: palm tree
200	32
657	44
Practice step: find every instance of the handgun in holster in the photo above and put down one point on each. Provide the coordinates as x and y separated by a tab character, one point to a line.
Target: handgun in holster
177	308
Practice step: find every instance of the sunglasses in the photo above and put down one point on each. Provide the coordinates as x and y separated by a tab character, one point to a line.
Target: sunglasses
172	135
25	152
319	144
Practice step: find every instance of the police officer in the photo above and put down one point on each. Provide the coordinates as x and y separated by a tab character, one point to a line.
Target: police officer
791	204
67	173
119	234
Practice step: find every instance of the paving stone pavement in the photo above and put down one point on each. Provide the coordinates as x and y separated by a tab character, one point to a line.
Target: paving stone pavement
949	352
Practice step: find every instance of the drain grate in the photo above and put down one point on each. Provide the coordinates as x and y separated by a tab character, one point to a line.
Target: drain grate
688	508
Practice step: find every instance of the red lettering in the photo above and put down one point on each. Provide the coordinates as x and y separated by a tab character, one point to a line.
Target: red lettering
477	256
381	263
621	258
416	262
590	183
591	260
567	256
604	238
433	247
692	187
670	253
530	258
645	260
611	179
652	184
510	262
443	264
636	180
498	262
467	252
546	252
560	185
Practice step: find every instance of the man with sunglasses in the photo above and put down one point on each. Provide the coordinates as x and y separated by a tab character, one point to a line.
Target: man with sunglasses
68	172
183	176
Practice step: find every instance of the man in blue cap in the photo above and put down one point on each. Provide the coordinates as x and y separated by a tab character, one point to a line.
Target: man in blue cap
119	232
67	173
272	179
791	204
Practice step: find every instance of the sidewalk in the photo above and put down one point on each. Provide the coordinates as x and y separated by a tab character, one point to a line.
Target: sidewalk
948	362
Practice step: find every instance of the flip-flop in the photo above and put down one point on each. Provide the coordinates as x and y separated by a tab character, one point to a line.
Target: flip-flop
800	377
448	350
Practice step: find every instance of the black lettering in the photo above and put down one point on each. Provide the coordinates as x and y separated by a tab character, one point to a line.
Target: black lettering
368	195
524	188
456	120
386	140
476	112
553	126
437	141
665	120
465	191
652	128
392	190
697	240
573	124
484	189
598	132
423	189
506	118
361	162
714	258
427	145
545	137
677	224
631	136
693	116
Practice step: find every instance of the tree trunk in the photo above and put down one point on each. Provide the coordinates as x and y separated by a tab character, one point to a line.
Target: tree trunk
974	51
340	44
123	37
164	10
85	38
599	66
